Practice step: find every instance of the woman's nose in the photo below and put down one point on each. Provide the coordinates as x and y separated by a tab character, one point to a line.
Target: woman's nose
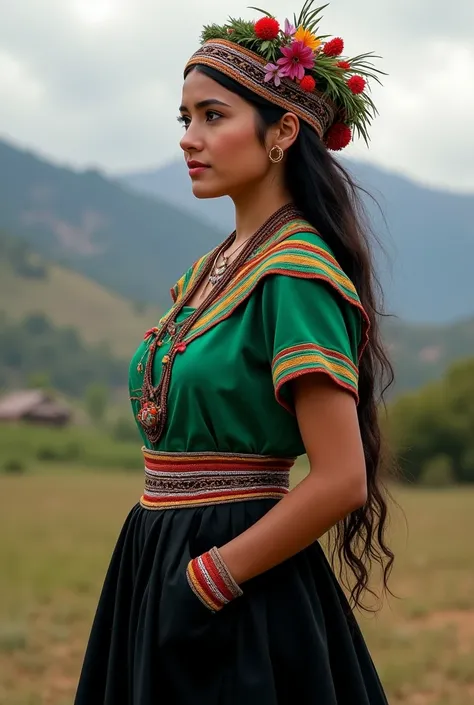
191	141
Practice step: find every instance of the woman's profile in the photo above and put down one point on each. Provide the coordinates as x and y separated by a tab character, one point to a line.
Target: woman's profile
218	591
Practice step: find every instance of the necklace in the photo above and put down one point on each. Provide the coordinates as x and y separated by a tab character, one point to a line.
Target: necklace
153	411
218	270
172	328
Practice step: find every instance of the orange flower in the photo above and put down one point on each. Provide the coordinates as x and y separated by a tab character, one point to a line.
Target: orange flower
309	40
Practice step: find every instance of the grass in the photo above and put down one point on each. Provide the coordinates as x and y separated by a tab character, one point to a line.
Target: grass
71	299
64	450
58	534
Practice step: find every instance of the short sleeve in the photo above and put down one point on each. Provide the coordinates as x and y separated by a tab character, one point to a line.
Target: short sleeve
309	327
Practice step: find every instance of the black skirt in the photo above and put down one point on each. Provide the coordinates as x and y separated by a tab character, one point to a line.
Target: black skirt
291	639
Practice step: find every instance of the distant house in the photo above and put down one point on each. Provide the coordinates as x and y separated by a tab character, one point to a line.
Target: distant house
35	406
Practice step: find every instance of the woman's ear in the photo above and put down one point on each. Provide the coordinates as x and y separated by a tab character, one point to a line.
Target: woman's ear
288	130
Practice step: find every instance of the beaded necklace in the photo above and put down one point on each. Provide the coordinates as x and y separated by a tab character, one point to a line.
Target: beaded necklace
153	412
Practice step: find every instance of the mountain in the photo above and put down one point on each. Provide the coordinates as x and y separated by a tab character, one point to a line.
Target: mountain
99	251
137	234
133	244
428	236
30	285
99	329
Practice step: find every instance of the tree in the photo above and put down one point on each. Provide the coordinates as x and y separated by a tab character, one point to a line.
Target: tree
434	428
438	472
96	400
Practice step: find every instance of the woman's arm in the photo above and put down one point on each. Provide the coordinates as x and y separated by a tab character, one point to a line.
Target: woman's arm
335	486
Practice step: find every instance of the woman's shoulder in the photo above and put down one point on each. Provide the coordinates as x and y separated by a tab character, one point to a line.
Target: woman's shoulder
307	236
297	239
304	254
304	238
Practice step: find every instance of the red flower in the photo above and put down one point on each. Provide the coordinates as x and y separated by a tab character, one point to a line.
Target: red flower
338	136
356	84
308	84
344	65
335	47
181	347
267	28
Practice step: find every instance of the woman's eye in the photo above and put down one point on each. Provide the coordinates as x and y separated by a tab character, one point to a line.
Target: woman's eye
183	120
212	116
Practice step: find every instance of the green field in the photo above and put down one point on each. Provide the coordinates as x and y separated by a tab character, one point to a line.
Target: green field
58	532
70	299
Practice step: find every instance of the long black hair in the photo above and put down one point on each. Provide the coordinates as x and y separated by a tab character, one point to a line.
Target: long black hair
332	202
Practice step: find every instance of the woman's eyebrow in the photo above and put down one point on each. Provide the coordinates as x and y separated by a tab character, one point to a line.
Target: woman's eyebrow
204	104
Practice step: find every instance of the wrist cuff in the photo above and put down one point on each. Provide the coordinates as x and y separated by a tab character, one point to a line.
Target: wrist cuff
210	579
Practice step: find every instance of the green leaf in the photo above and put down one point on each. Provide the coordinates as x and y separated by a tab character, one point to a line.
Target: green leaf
303	10
213	31
264	12
311	21
308	16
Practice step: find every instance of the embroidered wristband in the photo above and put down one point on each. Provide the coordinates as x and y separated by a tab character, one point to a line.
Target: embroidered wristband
209	578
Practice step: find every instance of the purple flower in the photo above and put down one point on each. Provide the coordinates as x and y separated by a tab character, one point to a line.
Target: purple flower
296	58
274	73
289	30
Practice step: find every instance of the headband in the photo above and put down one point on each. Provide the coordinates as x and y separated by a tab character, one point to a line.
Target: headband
293	67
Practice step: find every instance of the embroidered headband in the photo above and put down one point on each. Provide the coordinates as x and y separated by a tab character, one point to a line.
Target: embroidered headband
297	70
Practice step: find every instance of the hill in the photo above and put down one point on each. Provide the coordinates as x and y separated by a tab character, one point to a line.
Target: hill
30	285
428	236
96	272
423	353
138	244
132	244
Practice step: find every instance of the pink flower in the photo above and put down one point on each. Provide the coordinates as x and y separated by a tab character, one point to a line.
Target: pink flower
297	57
289	30
274	73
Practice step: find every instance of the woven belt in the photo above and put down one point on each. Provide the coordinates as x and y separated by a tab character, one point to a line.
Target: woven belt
196	479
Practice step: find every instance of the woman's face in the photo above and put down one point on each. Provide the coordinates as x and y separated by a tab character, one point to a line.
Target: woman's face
220	134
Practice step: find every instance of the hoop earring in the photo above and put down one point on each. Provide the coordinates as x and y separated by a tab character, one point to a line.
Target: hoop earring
279	156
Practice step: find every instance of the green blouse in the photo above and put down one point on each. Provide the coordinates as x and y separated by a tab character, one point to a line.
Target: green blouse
290	311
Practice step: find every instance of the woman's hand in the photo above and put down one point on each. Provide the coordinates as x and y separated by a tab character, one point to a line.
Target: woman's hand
335	486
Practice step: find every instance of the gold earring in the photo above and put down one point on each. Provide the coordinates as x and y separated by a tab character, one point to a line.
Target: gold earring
279	156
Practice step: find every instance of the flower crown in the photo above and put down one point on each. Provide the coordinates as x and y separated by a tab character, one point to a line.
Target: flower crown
297	54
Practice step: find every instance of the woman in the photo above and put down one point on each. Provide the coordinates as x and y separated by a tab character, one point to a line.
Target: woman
218	590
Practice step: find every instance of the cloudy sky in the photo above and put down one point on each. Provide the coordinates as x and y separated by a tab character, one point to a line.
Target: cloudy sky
98	82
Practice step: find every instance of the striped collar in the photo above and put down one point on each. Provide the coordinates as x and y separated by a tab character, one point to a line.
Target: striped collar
295	250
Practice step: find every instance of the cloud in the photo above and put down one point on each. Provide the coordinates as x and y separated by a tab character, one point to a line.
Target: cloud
100	82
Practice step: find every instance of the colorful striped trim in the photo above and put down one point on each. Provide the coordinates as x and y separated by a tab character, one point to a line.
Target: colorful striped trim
297	360
181	287
211	581
176	291
283	253
188	279
289	256
175	480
